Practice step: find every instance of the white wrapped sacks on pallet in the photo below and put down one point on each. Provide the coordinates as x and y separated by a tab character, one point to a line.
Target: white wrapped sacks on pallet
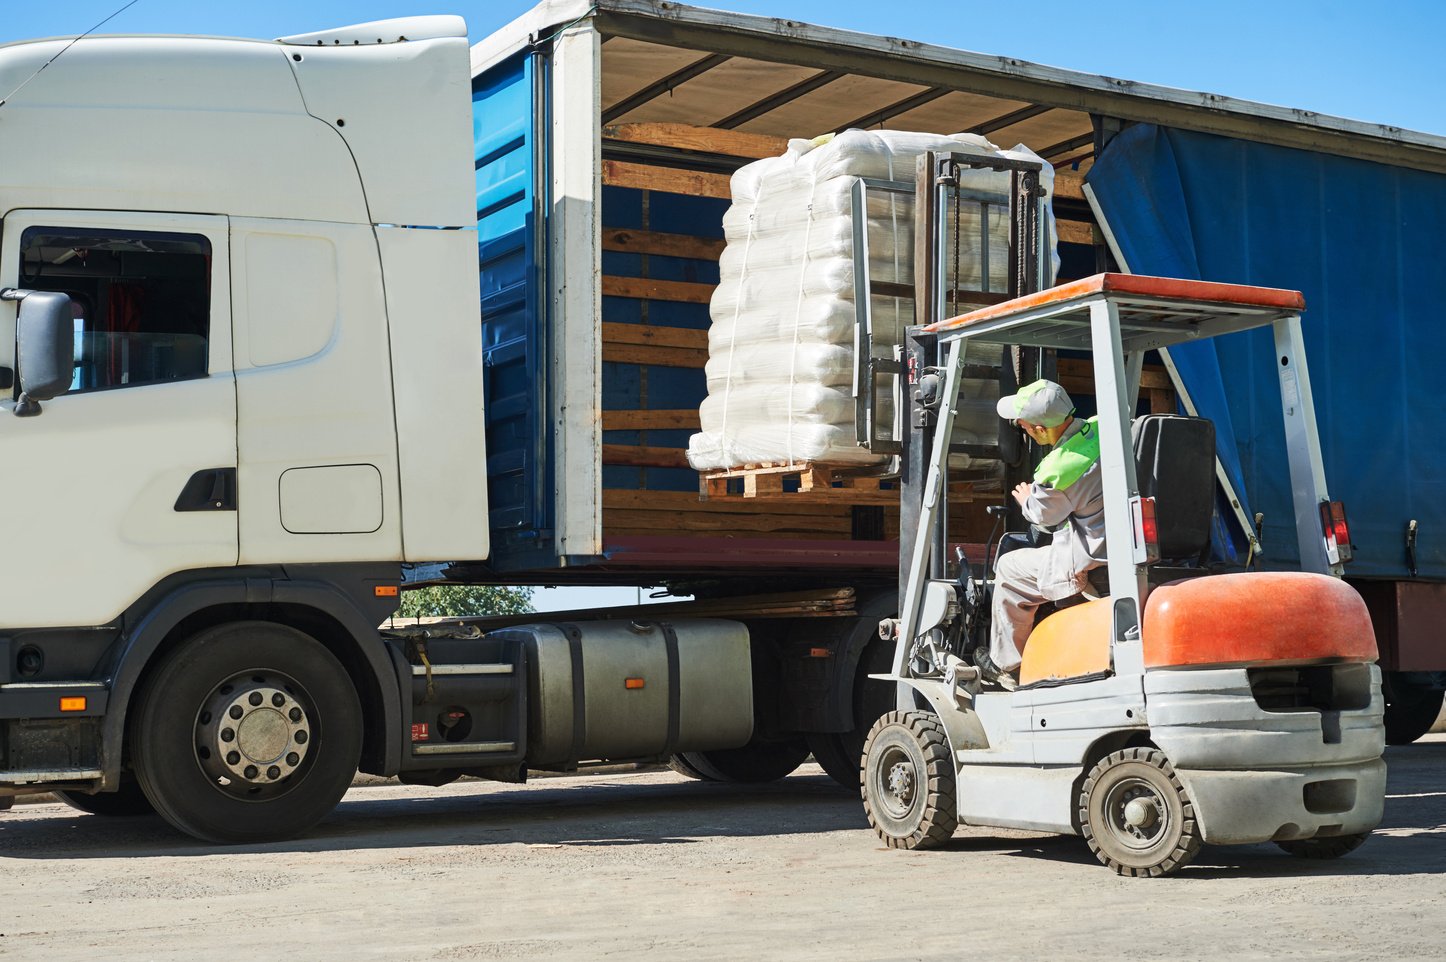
781	348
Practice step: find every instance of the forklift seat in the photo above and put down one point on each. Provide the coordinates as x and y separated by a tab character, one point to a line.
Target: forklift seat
1175	465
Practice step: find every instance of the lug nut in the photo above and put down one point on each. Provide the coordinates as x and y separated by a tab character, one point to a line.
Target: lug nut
250	772
273	773
227	735
255	699
301	738
278	699
294	715
236	711
233	758
293	759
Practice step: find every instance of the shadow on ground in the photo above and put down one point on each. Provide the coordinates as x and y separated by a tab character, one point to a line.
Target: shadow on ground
609	812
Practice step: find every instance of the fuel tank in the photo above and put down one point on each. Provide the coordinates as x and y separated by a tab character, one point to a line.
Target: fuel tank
623	689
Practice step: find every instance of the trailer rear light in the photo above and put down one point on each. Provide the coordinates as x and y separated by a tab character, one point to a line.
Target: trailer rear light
1337	532
1147	535
73	703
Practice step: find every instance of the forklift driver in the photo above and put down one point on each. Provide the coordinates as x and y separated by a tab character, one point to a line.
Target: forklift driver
1067	497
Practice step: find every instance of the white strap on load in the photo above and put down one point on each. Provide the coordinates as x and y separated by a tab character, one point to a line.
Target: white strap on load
798	311
737	309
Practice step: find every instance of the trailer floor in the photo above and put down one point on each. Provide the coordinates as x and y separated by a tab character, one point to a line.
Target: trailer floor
651	865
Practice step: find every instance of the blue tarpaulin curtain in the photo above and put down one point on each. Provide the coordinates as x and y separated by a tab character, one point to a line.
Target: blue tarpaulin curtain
1361	241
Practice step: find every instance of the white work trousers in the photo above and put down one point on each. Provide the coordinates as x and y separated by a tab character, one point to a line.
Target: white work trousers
1016	596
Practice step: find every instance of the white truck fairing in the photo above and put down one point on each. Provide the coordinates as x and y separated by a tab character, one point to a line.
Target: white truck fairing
297	217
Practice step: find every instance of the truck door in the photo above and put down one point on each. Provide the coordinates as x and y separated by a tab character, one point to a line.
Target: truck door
130	476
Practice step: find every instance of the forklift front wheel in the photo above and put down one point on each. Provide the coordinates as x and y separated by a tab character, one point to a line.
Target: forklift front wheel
1135	815
908	781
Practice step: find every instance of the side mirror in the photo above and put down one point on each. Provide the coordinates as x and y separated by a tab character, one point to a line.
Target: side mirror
45	347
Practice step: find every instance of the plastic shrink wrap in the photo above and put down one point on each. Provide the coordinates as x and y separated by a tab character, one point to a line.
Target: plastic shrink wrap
781	346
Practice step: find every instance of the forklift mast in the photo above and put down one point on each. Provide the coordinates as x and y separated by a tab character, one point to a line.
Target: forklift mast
940	293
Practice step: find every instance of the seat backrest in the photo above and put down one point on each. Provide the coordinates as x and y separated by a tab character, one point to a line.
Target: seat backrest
1175	464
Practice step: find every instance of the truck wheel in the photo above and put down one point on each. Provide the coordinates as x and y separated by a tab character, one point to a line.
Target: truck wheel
248	732
758	761
1135	815
831	751
909	782
1331	846
680	764
841	753
127	802
1411	708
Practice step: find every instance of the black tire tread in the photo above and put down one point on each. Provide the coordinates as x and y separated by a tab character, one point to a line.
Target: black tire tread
182	809
129	801
833	756
940	817
758	761
1411	710
1184	851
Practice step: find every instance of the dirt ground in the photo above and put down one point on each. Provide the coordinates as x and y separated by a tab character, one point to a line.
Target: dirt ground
652	865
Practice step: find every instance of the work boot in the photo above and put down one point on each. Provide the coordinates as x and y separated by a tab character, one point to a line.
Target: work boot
992	673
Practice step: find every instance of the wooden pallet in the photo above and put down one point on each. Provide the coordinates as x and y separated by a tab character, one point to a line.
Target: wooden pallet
830	483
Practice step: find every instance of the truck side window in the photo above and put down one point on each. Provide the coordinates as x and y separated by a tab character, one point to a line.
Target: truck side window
141	300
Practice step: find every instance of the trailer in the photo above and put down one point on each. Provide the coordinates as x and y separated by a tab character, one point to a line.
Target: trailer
607	135
250	405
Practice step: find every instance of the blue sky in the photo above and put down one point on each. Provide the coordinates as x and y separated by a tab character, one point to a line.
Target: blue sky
1379	62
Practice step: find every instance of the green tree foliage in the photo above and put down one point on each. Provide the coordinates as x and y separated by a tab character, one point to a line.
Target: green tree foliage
459	601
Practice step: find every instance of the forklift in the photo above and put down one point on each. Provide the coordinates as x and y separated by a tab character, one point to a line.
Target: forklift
1173	703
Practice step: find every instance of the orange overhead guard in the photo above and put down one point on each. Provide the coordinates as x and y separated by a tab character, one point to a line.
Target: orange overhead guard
1126	286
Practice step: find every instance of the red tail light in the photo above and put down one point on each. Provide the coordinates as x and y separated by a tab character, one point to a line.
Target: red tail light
1337	531
1147	537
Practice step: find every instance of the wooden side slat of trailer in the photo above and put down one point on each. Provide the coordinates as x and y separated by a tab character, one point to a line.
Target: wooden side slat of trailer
628	241
672	180
659	419
710	140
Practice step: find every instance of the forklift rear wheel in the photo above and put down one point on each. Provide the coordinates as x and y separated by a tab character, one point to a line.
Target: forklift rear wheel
128	802
758	761
1411	708
1135	815
1331	846
908	781
247	732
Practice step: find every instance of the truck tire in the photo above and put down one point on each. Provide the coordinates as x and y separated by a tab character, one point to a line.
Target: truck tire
758	761
246	732
129	801
1411	708
908	783
1136	816
840	754
680	764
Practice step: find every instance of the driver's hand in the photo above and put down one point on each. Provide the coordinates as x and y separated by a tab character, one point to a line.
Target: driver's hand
1021	492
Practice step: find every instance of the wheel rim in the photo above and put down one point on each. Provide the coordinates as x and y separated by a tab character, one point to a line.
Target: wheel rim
254	733
1137	815
898	780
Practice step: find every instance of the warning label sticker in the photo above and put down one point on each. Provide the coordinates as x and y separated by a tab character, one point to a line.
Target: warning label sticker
419	732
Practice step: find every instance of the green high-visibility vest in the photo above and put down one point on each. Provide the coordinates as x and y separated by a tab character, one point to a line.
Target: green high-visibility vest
1068	462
